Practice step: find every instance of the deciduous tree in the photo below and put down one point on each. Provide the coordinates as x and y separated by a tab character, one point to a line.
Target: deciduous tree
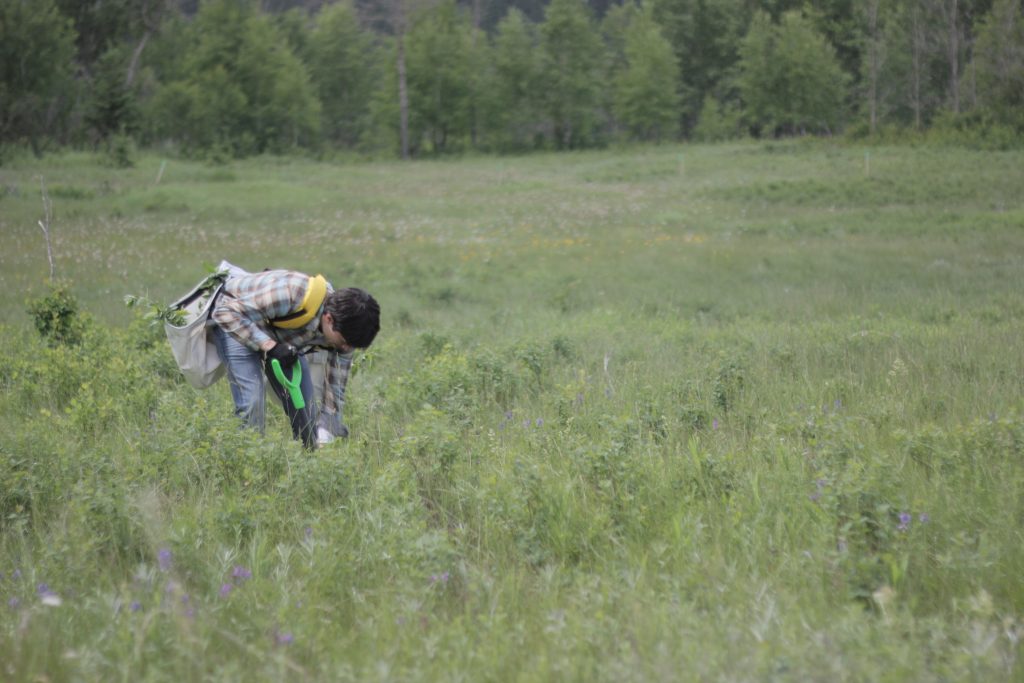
646	99
36	48
571	54
999	54
243	90
705	36
515	93
790	79
440	80
341	59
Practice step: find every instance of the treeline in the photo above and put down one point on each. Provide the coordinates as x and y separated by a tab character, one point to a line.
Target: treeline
414	77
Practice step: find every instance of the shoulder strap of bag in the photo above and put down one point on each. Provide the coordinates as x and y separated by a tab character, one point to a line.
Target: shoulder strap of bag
316	292
209	284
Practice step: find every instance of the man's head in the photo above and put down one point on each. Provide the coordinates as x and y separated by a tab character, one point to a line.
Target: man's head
352	314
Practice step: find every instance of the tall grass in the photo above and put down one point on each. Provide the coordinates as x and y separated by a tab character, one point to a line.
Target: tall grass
742	412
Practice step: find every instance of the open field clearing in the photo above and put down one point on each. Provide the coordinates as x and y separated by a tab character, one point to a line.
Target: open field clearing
744	412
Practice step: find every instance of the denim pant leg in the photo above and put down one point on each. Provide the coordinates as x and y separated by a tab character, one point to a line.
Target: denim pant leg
245	375
303	421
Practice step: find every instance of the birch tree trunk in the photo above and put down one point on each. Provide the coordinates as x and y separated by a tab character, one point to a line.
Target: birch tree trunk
133	65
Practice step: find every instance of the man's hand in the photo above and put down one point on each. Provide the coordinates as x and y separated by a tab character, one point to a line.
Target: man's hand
285	354
324	436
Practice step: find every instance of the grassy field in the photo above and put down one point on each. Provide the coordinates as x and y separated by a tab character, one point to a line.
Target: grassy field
747	412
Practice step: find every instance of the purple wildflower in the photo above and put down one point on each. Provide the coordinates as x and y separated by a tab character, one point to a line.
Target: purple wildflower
15	575
309	532
815	497
714	424
185	599
540	422
43	590
285	638
226	589
241	573
905	519
13	602
838	404
135	606
163	557
508	414
923	518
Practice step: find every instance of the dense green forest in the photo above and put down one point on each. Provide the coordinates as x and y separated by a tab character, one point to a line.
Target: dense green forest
228	78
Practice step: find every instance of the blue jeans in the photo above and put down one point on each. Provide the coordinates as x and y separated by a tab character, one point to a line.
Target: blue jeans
246	376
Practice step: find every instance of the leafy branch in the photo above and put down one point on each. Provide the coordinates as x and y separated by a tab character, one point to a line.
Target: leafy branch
154	313
157	314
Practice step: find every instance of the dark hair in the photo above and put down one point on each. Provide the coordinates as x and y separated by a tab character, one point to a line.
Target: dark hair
356	315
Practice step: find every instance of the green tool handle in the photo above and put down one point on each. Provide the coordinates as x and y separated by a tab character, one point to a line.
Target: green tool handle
294	390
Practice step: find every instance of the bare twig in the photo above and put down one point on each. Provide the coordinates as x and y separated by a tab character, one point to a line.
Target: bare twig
45	223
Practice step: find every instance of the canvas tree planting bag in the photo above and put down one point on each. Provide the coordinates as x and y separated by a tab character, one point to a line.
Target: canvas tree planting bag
193	350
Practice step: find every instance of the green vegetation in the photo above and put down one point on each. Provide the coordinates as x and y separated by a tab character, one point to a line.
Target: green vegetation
221	79
735	412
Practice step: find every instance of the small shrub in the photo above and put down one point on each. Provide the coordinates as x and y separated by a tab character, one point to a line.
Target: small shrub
120	151
56	317
728	381
493	377
534	358
718	121
432	344
564	348
431	447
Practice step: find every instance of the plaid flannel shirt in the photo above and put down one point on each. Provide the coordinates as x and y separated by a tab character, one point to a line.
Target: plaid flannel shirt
245	308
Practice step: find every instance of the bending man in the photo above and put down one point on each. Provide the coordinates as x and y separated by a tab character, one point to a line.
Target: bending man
283	315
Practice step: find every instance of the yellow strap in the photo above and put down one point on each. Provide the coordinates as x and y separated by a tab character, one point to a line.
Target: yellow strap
315	293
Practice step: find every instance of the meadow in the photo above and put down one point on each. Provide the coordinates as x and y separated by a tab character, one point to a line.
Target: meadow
746	412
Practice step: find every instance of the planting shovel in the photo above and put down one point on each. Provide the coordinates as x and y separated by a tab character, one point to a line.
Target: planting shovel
292	386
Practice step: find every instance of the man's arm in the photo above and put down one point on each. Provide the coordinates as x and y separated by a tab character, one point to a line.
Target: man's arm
335	380
248	303
241	322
